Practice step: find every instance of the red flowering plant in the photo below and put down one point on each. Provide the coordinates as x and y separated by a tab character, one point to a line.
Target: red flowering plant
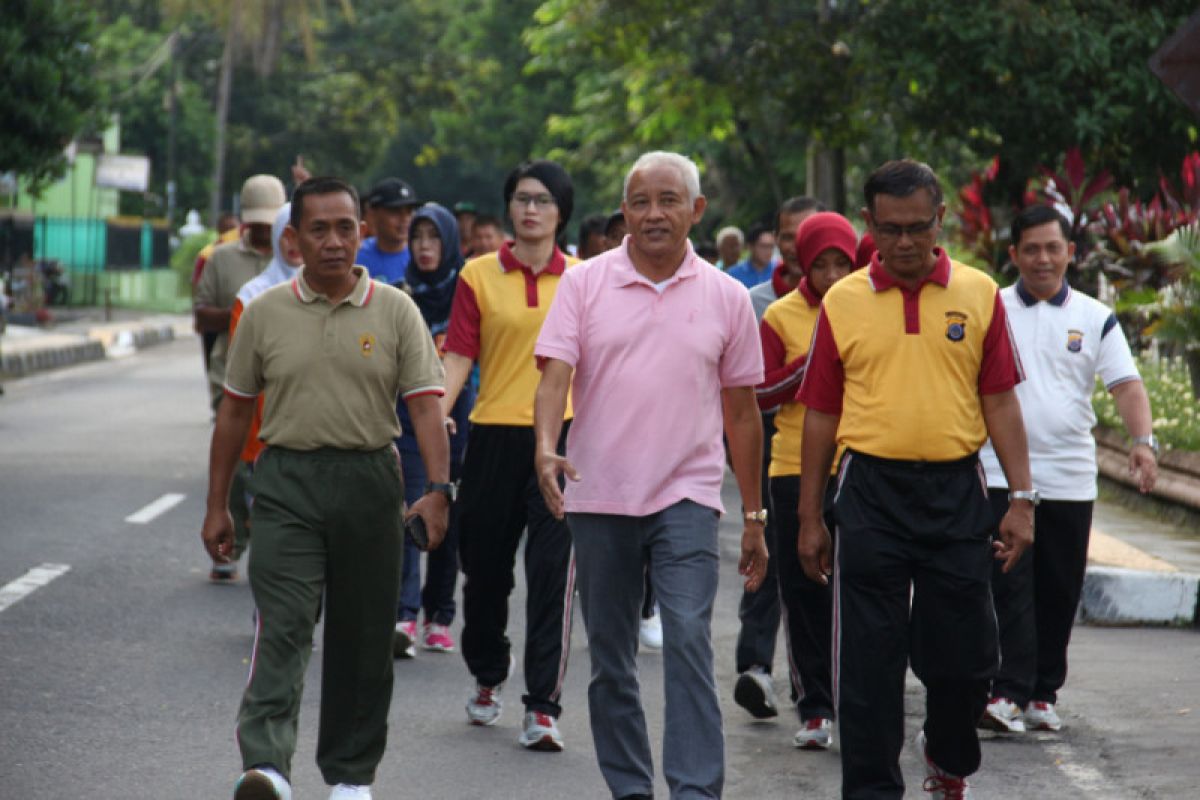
976	227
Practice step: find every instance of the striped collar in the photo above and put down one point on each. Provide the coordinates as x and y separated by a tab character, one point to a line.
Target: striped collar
360	295
1060	297
881	280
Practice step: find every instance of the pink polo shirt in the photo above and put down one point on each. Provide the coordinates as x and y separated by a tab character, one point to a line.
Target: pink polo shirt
650	363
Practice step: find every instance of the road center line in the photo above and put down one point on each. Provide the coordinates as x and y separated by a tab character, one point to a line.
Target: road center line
27	583
160	506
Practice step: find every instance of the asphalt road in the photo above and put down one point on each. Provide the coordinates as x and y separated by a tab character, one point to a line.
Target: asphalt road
120	677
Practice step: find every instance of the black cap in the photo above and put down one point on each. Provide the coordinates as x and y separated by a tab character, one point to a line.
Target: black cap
391	193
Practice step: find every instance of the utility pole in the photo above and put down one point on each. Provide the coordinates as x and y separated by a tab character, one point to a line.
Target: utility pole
224	88
172	123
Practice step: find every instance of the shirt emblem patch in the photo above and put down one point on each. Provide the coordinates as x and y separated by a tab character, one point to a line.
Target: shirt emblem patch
366	344
956	325
1074	341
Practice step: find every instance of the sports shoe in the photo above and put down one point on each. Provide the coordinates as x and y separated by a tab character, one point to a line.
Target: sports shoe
817	734
755	693
541	733
437	638
406	635
262	783
940	784
1002	715
484	704
650	632
223	573
1041	716
348	791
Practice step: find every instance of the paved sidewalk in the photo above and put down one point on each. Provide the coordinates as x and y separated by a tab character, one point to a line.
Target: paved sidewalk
83	334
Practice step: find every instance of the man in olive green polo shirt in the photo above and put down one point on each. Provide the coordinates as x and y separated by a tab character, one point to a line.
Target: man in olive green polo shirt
332	350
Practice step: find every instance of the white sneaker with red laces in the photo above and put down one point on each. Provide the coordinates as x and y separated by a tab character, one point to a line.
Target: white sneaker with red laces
817	734
1002	715
437	638
940	784
1041	716
541	733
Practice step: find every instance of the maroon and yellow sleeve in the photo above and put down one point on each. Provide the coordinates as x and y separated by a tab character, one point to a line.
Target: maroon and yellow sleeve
462	335
824	376
1001	368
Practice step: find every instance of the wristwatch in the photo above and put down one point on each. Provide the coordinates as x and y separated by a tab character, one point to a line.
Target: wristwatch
759	516
448	489
1026	494
1150	441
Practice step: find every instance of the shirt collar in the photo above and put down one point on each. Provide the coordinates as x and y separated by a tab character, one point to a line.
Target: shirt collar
1027	299
881	280
809	295
360	295
509	262
778	283
624	273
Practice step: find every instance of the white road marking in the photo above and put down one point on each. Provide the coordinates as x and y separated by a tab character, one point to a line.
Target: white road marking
27	583
1084	777
160	506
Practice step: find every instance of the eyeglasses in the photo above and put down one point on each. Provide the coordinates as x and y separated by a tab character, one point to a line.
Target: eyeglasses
540	200
887	230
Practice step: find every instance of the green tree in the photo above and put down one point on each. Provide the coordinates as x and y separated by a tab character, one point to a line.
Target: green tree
50	92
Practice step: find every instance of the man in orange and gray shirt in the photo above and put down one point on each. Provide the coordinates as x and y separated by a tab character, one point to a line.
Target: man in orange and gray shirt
912	357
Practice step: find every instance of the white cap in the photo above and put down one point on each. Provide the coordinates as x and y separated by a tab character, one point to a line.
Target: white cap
262	197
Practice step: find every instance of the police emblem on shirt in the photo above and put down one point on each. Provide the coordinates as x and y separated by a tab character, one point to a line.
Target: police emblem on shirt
1074	341
956	325
366	344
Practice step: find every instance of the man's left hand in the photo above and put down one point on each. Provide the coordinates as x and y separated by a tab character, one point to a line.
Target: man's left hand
753	563
1016	534
1143	467
434	508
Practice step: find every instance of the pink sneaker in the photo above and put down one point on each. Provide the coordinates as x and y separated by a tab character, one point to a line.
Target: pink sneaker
437	637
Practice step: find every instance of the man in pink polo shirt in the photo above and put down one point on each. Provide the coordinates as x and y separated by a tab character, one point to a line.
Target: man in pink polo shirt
665	354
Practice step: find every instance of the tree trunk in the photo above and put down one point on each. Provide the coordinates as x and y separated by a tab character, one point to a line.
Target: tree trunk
224	89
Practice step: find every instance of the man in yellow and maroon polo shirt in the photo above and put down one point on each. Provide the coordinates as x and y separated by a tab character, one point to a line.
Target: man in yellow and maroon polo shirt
331	349
911	369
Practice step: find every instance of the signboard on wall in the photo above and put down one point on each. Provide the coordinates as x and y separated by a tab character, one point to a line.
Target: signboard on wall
127	173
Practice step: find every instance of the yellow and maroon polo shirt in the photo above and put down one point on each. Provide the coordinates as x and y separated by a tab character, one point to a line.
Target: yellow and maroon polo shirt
786	331
499	307
331	373
905	368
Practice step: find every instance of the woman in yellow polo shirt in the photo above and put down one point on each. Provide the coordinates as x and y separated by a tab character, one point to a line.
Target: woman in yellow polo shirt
499	305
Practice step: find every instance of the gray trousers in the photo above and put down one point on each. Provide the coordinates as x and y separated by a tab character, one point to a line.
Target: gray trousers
680	545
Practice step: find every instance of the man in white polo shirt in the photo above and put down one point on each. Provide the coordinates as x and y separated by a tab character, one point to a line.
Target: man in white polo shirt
1065	339
664	353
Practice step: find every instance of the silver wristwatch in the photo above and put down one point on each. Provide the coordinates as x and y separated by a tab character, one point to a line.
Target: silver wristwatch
1022	494
1150	441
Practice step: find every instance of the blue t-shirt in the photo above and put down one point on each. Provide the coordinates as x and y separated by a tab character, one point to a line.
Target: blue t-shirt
748	276
387	267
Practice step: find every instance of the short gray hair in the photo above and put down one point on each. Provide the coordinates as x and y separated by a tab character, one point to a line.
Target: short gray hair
731	230
686	168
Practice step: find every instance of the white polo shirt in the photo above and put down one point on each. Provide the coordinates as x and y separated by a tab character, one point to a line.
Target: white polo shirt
1064	342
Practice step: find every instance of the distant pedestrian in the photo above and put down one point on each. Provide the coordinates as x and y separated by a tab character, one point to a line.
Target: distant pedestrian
430	281
487	235
615	230
824	247
331	350
647	335
230	266
757	266
730	243
592	241
465	214
499	306
1067	339
390	206
911	368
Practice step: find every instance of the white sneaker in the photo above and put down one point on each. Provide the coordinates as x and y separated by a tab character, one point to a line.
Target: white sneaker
347	791
404	640
484	704
941	785
1002	715
541	733
1041	716
262	783
817	734
650	632
755	693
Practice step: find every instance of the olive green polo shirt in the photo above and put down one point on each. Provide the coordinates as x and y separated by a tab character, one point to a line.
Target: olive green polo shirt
332	373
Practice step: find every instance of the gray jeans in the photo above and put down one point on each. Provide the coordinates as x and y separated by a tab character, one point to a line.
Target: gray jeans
680	544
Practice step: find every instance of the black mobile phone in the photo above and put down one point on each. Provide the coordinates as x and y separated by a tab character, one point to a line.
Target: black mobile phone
415	527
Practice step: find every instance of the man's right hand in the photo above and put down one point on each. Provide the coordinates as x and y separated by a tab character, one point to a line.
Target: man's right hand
814	546
217	535
549	467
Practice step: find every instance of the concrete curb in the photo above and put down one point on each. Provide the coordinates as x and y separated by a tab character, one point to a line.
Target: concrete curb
23	357
29	360
1119	596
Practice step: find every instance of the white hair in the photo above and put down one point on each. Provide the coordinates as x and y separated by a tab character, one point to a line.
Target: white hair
731	230
686	168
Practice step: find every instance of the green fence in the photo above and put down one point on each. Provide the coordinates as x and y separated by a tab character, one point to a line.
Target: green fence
152	290
80	244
